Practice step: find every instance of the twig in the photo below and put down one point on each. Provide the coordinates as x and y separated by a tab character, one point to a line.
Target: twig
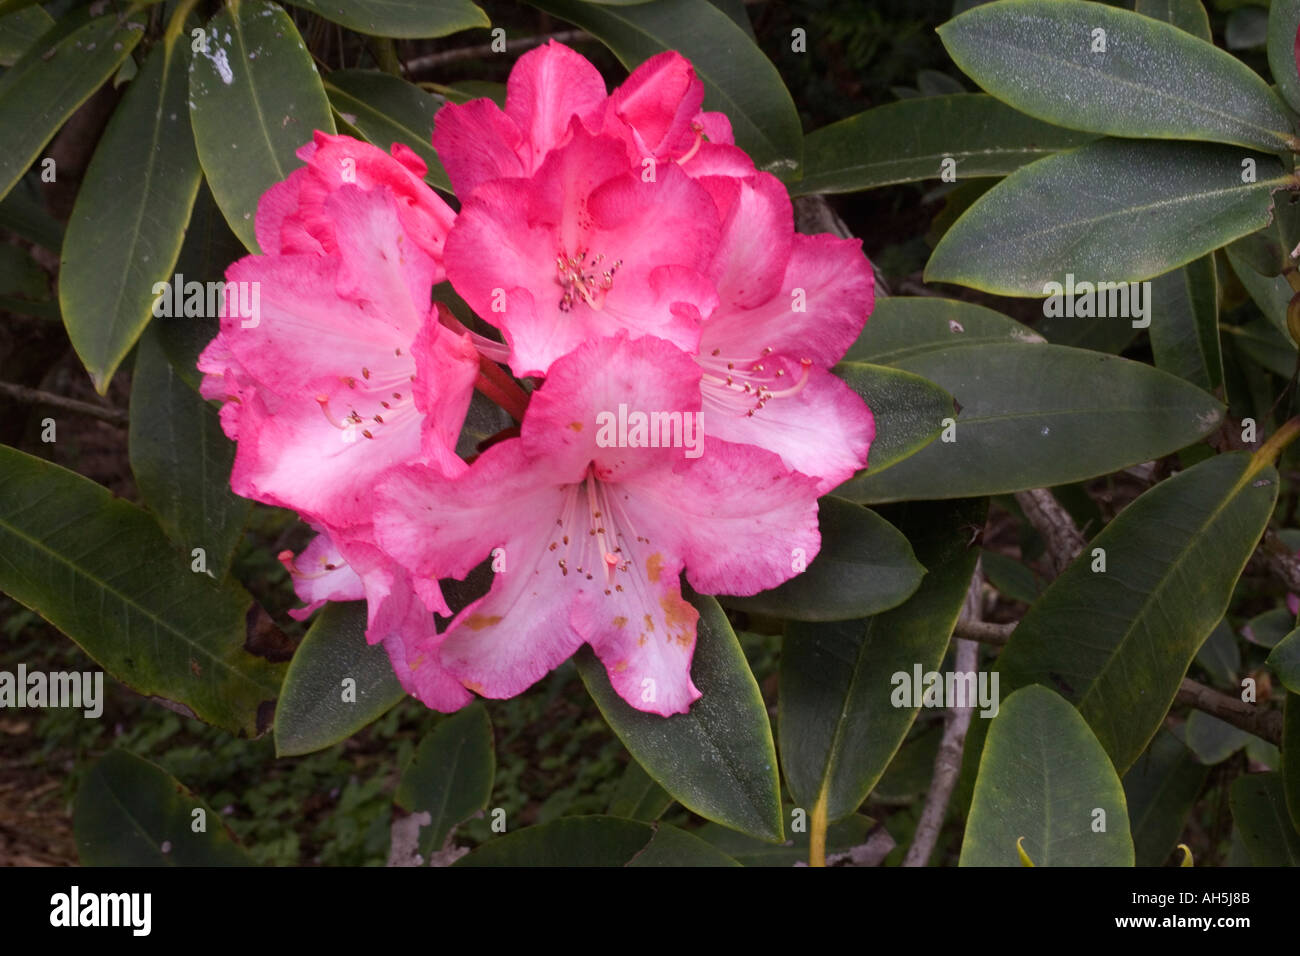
430	60
33	396
1063	537
947	762
1265	724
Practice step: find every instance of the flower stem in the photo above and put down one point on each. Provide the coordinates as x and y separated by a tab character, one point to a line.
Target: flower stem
817	832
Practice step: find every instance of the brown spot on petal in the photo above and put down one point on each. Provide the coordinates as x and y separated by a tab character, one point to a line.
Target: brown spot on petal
649	623
476	622
620	667
620	621
576	426
654	566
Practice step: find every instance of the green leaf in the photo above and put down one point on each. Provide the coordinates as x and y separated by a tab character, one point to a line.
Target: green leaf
1283	18
1110	335
638	797
865	566
597	841
738	79
255	99
139	190
1271	293
182	461
909	140
386	109
24	213
450	775
1269	628
1220	656
1172	559
101	570
130	812
839	726
1013	579
56	75
1184	330
1291	758
901	327
718	760
841	837
401	19
312	713
1211	739
1042	778
908	410
1045	58
1260	813
1247	28
1034	416
1284	661
18	31
1143	208
1161	788
1188	15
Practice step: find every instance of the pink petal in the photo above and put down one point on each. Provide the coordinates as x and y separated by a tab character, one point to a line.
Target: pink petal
658	102
757	237
477	142
547	89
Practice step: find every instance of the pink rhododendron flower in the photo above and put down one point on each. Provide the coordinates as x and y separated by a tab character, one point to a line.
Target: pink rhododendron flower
594	538
655	113
583	248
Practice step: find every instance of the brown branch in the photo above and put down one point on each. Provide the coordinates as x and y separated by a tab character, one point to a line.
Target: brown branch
1265	724
1280	560
1063	537
32	396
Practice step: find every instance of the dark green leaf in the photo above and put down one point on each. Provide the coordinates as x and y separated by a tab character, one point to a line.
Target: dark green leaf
1184	329
130	812
1187	15
1047	59
1260	813
865	566
1284	661
1143	208
101	571
1291	758
1220	655
404	19
450	775
717	760
910	140
839	725
1283	18
1211	739
182	460
1034	416
903	326
638	797
738	79
1161	788
597	841
1172	558
56	75
841	837
908	410
1043	777
18	31
255	99
314	711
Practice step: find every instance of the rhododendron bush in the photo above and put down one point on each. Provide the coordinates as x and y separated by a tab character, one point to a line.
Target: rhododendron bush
447	394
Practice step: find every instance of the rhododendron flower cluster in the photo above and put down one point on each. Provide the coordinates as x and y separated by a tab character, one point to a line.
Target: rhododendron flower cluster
673	336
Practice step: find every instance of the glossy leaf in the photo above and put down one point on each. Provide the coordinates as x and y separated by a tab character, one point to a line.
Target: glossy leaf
1283	21
865	566
1184	330
911	140
1172	559
1260	813
1220	655
1161	788
1042	778
738	79
908	410
130	812
718	760
1211	739
839	726
139	190
386	109
182	460
841	837
403	19
100	570
1034	416
1284	661
56	75
597	841
313	713
255	99
450	775
1145	208
1046	58
1188	15
18	31
902	326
